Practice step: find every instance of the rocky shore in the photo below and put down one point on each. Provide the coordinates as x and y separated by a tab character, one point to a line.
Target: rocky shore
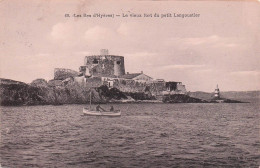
41	92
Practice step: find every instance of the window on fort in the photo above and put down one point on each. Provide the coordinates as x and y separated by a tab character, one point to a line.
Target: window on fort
95	61
118	62
110	84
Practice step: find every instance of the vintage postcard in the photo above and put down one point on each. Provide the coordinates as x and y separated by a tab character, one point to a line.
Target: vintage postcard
92	83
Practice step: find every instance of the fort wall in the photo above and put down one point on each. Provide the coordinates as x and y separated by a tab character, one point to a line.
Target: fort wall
181	89
157	88
129	85
62	73
93	82
135	86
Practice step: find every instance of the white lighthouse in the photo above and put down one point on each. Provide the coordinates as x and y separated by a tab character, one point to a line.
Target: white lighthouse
217	92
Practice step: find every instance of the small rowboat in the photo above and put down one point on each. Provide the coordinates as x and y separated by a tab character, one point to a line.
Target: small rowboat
90	112
101	113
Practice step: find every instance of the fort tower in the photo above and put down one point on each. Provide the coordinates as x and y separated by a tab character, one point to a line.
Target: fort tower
105	65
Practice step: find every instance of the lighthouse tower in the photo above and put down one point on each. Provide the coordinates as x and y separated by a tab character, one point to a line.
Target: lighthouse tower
217	92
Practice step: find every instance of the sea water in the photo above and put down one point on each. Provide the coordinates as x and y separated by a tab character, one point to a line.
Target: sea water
146	135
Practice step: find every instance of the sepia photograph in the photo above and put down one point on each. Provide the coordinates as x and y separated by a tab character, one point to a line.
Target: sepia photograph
130	83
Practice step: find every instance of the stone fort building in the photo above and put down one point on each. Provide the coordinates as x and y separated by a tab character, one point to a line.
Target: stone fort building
106	69
103	65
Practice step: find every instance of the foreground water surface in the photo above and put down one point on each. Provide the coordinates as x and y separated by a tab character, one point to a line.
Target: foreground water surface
146	135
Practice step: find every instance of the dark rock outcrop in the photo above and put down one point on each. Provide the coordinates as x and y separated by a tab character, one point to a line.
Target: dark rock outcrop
108	94
140	96
229	97
225	101
181	98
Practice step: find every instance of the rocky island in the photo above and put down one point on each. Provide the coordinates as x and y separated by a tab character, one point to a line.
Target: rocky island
104	76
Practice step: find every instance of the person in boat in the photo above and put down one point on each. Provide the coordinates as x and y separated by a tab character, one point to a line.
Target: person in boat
111	108
99	108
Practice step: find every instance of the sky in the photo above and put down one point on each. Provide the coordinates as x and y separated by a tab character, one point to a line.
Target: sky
219	47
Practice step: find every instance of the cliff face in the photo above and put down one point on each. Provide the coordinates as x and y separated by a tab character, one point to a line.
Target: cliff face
17	93
39	92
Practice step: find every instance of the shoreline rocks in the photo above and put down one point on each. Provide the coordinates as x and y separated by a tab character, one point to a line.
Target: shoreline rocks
69	91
